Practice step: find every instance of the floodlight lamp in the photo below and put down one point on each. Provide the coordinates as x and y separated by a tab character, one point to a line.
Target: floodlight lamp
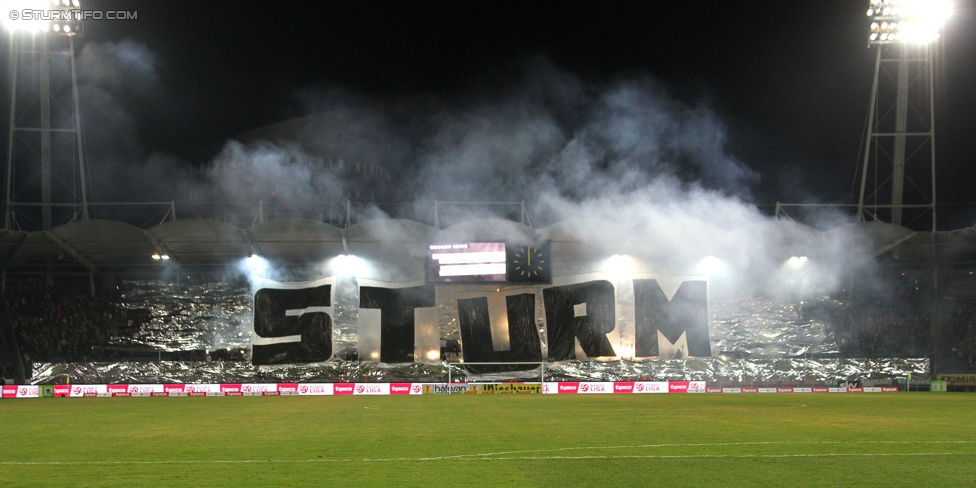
255	262
433	355
620	263
908	21
348	265
796	262
256	265
711	265
156	256
41	16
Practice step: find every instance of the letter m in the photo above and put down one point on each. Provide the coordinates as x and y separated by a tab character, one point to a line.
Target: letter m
685	313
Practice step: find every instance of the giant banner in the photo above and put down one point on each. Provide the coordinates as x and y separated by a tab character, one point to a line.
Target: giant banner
292	323
596	315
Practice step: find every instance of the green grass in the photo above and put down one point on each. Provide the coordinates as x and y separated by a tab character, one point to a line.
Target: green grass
855	439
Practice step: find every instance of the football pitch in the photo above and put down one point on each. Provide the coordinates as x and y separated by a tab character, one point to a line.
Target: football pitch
791	439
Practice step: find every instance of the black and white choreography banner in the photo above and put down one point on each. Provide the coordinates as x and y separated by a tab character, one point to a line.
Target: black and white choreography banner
292	322
596	315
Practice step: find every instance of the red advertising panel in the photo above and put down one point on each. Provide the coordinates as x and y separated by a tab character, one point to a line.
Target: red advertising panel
568	387
288	389
623	387
400	388
678	387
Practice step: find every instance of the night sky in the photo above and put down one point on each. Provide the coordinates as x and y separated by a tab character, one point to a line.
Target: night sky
790	80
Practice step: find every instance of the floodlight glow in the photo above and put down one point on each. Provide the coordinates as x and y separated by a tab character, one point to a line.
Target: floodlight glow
348	265
619	263
626	351
164	256
908	21
156	256
12	8
256	265
433	355
796	262
711	265
39	16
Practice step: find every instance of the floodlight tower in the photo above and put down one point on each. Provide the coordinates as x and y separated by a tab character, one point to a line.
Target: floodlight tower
899	153
46	180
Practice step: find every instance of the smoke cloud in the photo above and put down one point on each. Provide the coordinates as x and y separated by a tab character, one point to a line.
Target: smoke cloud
622	151
119	85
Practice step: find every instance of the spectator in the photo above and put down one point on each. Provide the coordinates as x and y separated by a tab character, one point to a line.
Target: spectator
28	367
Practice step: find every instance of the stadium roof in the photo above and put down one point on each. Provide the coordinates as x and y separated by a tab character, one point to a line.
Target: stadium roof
103	245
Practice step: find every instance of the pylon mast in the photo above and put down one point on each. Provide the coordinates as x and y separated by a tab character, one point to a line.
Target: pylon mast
898	171
46	178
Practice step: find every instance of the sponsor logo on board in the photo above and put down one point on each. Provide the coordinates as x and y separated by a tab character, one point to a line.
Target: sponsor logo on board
400	388
287	388
27	391
369	389
677	387
142	390
623	387
315	389
568	387
595	388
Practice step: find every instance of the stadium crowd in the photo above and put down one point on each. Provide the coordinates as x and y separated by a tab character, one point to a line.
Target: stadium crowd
876	327
960	330
52	324
899	327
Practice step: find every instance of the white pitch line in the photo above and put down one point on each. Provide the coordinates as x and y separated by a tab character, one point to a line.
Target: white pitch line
407	409
495	456
434	459
710	444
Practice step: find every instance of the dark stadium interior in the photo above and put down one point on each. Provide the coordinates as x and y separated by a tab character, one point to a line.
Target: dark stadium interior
268	206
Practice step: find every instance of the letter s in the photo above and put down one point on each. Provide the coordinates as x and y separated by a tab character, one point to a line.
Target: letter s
292	326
